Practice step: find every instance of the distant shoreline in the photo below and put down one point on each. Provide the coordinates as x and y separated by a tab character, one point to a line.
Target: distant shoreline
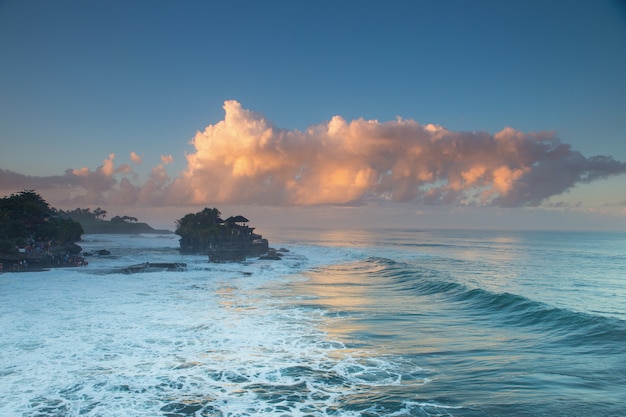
95	227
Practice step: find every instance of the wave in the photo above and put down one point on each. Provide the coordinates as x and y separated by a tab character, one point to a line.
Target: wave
576	328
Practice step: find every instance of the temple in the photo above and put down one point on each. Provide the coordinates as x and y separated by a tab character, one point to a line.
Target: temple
222	240
237	242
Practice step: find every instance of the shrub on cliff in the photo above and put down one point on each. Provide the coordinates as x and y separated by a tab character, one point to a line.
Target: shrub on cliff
199	229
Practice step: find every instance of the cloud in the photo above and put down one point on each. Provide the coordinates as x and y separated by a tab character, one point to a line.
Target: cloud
81	172
108	168
245	159
75	187
135	158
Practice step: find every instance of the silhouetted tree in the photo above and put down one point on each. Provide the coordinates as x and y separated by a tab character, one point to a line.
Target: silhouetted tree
199	229
26	215
22	214
98	212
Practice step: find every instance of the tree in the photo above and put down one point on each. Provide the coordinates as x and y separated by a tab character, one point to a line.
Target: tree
62	230
98	212
199	230
80	214
124	219
26	215
23	213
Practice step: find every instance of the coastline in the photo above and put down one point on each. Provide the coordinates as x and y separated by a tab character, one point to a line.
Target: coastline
96	227
38	263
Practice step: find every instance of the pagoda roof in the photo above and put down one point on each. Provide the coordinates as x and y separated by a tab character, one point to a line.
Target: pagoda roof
236	219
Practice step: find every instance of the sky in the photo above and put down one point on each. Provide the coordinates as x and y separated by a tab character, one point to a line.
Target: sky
415	114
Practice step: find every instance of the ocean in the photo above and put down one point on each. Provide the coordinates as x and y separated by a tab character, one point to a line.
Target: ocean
381	322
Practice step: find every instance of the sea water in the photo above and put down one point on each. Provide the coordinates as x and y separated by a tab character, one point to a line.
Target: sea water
348	323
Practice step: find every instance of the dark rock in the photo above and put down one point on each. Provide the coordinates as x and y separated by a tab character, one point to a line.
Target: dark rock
73	248
272	255
155	267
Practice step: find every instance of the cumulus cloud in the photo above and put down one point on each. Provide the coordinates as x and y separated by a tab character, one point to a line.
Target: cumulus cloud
135	158
245	159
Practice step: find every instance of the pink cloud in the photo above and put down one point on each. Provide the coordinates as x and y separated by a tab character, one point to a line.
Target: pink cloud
108	168
136	159
81	172
245	159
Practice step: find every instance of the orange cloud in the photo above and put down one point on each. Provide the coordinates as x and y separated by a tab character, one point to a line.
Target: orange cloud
135	158
245	159
82	172
107	166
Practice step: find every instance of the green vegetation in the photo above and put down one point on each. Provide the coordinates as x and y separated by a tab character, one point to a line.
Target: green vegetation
198	230
26	218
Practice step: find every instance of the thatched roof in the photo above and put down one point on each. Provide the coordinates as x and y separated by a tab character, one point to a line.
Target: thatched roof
236	219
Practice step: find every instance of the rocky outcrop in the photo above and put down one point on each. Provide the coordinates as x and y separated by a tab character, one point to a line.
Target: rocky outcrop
154	267
237	250
229	240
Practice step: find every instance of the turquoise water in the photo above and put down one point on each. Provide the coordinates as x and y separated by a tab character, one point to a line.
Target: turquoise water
349	323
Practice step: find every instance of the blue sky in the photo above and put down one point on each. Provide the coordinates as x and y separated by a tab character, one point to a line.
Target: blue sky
80	81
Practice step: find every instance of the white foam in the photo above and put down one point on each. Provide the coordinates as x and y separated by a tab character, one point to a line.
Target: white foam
95	342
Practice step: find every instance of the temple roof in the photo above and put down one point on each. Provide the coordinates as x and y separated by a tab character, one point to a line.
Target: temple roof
236	219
